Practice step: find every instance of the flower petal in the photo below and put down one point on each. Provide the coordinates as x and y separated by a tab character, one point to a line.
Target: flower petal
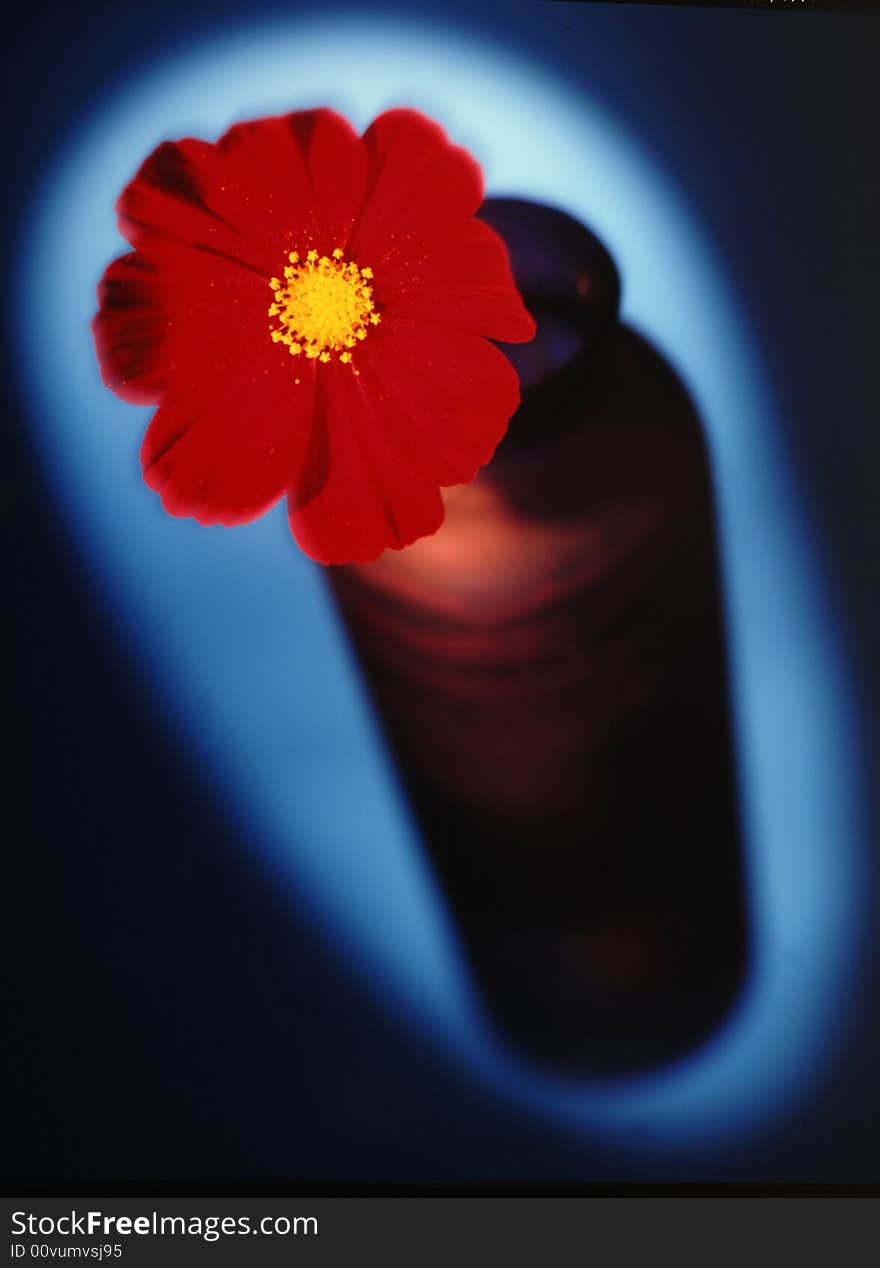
225	456
176	316
432	261
419	183
129	330
287	182
266	185
444	396
301	175
337	165
171	198
370	500
463	280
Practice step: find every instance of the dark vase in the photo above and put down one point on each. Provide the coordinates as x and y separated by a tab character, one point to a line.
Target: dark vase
550	672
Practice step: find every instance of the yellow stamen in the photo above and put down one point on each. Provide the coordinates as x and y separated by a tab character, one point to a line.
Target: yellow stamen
323	306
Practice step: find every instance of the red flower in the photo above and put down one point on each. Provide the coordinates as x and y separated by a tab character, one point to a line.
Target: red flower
311	311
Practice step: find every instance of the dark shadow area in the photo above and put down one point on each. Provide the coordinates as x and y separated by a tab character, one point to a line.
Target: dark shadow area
551	674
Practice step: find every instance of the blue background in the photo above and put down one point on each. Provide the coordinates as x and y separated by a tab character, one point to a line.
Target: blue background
209	990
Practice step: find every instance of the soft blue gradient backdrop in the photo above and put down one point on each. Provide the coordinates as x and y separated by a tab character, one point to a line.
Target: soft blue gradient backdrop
238	645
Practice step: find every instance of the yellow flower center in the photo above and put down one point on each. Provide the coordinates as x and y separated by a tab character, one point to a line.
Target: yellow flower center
323	306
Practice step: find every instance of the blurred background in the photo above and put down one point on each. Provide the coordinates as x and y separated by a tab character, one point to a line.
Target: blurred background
191	1008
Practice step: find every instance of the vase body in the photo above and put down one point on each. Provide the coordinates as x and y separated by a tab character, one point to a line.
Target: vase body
550	672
